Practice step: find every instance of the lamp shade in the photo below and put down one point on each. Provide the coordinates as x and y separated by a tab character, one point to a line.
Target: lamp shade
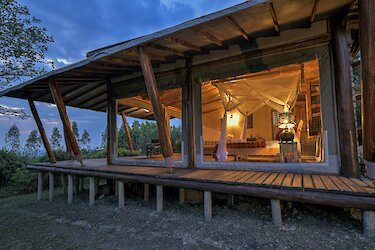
286	120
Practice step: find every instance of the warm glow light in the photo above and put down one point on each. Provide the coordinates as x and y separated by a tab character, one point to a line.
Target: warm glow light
146	110
233	119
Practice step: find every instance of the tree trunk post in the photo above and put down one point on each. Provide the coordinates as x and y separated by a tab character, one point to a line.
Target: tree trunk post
127	132
91	191
146	192
40	185
182	196
368	222
63	182
190	126
276	213
42	132
57	97
153	94
70	189
51	183
111	125
207	205
344	99
367	46
159	199
121	194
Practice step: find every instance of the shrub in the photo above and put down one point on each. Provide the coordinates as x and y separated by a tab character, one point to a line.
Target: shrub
23	180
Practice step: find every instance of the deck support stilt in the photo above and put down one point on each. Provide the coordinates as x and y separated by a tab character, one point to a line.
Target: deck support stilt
146	192
368	222
81	184
70	189
230	200
182	196
276	213
207	205
121	194
91	191
51	183
76	184
96	186
159	199
40	185
63	182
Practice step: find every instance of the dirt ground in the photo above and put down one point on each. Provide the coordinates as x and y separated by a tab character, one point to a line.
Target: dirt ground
26	223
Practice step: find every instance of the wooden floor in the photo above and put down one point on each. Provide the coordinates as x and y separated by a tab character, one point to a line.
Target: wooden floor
274	180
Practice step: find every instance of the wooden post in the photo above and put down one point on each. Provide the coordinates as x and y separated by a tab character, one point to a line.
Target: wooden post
121	194
56	95
127	132
111	125
368	222
182	196
63	182
230	200
68	144
159	199
42	132
51	183
146	192
190	114
276	213
207	205
97	185
40	185
167	118
91	191
367	46
154	97
81	183
344	99
70	189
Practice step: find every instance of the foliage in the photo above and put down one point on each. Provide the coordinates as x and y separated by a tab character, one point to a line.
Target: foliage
23	180
12	139
33	143
23	43
9	162
85	139
75	130
56	139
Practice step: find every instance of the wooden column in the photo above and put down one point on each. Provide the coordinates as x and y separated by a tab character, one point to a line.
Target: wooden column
51	183
111	125
40	185
70	189
146	192
207	205
367	46
153	94
121	194
276	213
190	114
159	199
167	117
42	132
68	144
344	99
56	95
182	196
91	191
127	132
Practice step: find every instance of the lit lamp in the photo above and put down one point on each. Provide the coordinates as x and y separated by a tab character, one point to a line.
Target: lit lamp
286	122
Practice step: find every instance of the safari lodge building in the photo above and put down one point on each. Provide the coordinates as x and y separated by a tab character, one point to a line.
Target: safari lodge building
263	91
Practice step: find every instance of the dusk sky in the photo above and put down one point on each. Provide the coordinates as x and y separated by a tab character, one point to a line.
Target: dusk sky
82	25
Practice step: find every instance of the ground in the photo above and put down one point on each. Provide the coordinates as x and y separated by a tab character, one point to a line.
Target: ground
26	223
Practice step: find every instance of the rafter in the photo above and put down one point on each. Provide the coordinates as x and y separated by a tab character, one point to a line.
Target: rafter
184	43
238	27
313	13
210	37
274	18
163	48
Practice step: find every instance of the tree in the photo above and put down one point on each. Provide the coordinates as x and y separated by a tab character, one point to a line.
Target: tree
33	143
85	139
55	139
75	130
12	139
23	43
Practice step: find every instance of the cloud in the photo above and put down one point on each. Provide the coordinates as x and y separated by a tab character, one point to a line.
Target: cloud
54	123
64	61
51	105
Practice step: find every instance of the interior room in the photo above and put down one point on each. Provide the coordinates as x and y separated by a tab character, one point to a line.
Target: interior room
251	117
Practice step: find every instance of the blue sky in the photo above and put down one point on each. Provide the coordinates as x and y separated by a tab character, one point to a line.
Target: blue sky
79	26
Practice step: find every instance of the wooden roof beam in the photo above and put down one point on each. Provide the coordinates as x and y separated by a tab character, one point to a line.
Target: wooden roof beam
120	61
210	37
163	48
313	12
238	27
274	18
184	43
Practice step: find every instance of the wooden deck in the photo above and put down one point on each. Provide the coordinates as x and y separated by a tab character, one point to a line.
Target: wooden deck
311	188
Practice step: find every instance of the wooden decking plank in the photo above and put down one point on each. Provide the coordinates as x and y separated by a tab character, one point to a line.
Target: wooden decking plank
197	173
237	176
246	176
262	178
216	176
352	185
328	183
279	179
252	178
297	181
223	176
341	185
307	181
270	179
288	180
233	174
318	182
369	183
363	185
